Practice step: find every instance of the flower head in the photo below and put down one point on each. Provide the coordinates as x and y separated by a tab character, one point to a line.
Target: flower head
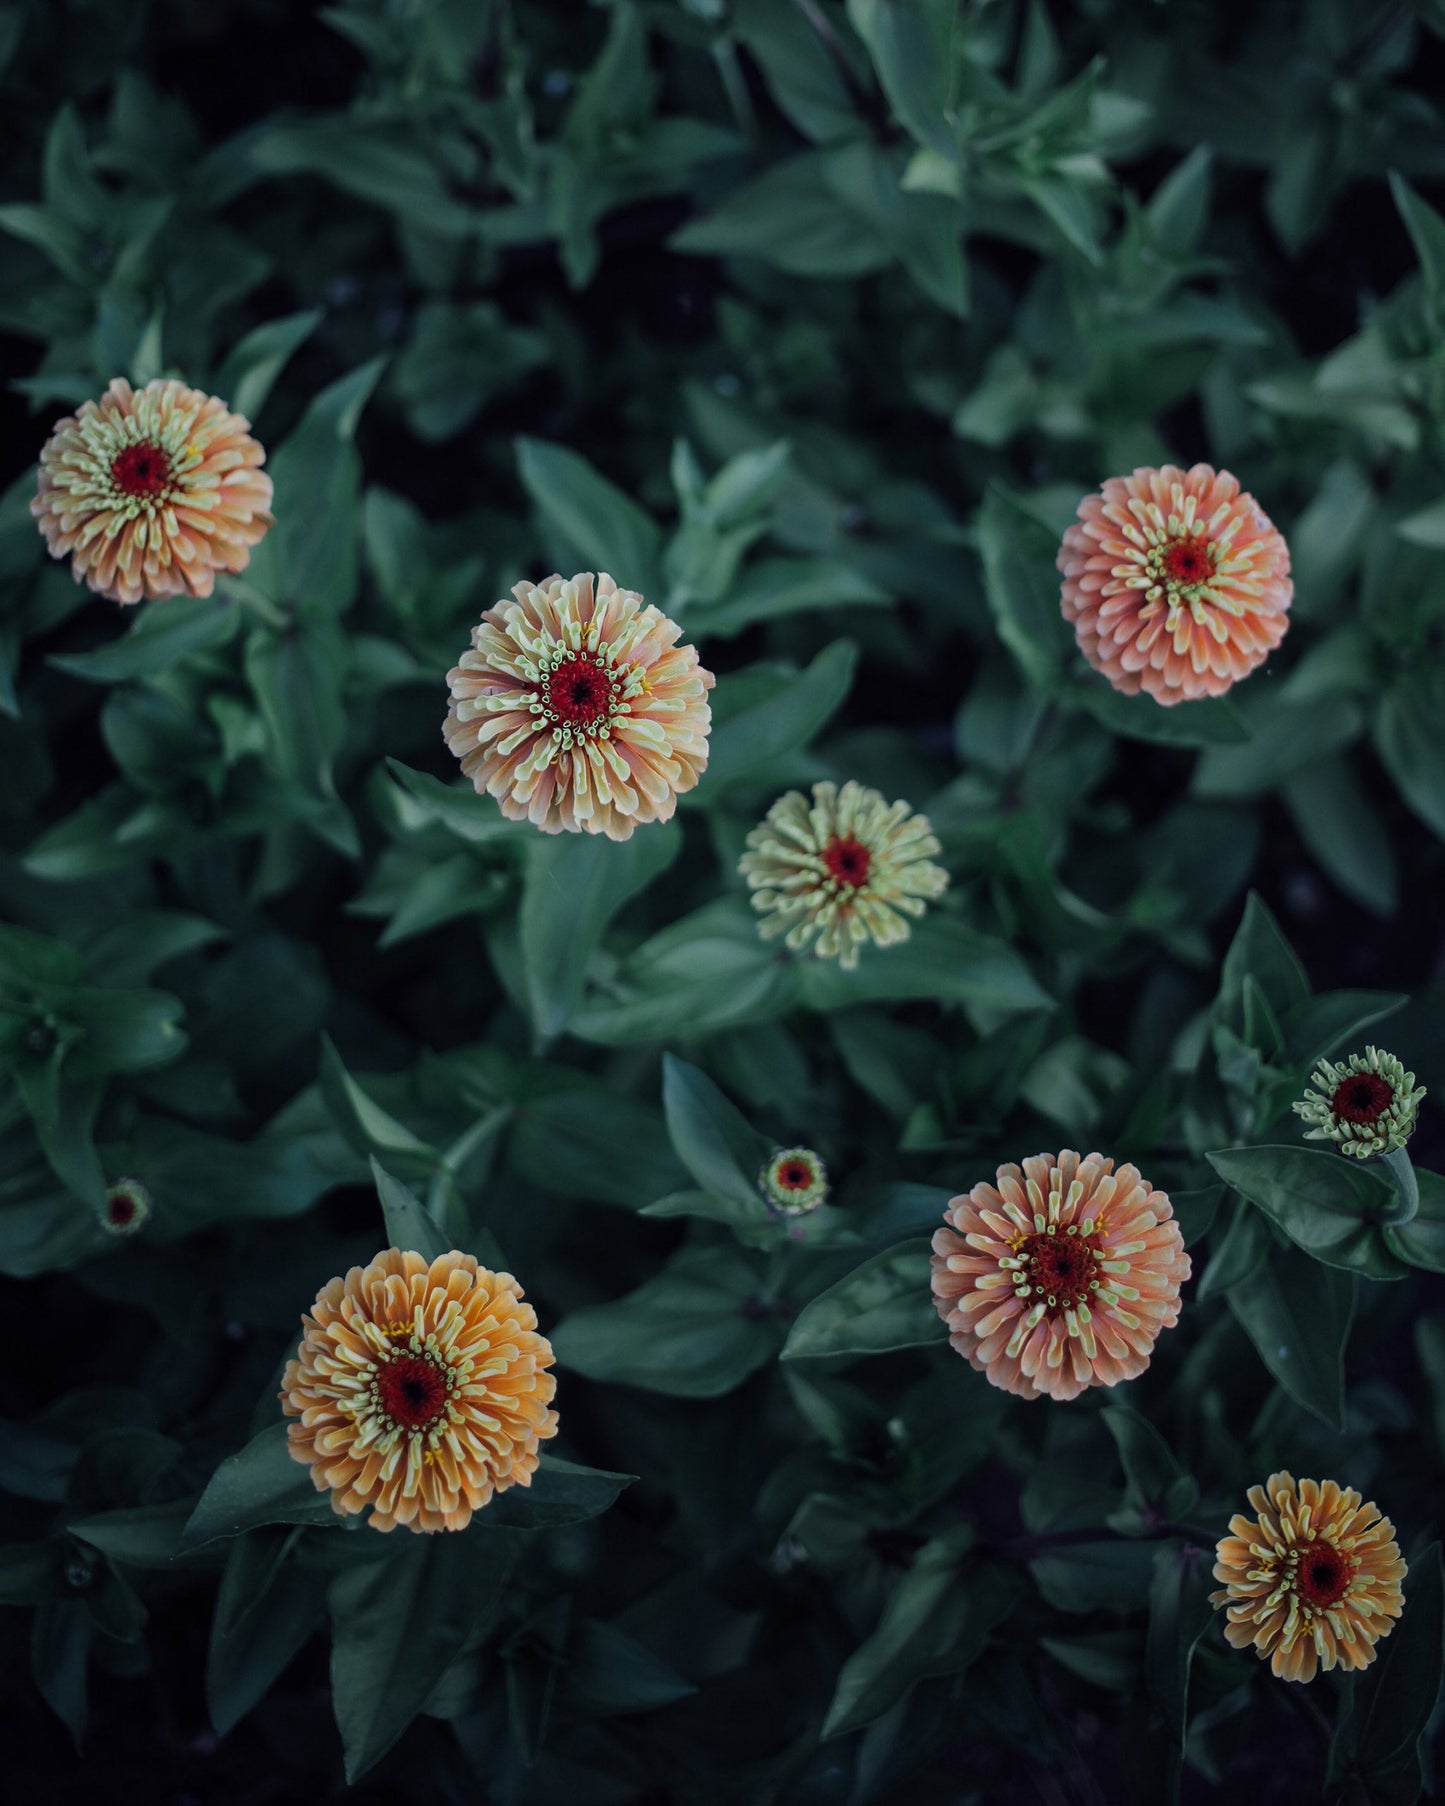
794	1181
577	709
1366	1106
1176	582
150	492
1060	1275
420	1390
1313	1579
840	871
127	1205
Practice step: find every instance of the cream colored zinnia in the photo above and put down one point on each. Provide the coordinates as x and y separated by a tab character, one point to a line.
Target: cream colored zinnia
841	870
577	709
1176	582
1060	1275
1312	1580
420	1390
150	492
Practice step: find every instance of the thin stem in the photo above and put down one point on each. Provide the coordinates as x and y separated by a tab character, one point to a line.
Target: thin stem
1407	1187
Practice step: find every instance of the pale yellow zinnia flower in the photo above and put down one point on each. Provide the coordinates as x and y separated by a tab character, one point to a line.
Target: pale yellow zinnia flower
841	870
420	1390
150	492
1312	1580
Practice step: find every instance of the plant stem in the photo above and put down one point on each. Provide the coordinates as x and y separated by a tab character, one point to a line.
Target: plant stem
1407	1187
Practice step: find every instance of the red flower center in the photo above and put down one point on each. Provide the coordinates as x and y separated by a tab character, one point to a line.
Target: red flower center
413	1391
1187	561
1060	1267
142	470
578	692
1363	1097
122	1209
1323	1575
794	1176
848	860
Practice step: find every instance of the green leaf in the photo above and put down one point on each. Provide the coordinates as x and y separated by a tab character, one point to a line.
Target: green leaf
714	1141
884	1304
587	1140
1325	1204
937	1621
1410	737
748	743
408	1225
1179	1615
609	1672
695	1331
1261	952
311	557
259	1627
561	1492
1156	1479
775	588
458	808
1314	1030
161	635
60	1639
910	45
1421	1241
1022	583
942	961
573	885
397	1625
369	1128
249	373
260	1485
602	528
1210	721
363	158
1298	1315
143	1536
1427	232
790	216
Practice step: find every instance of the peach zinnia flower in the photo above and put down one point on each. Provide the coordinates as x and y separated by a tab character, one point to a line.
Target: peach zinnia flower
1176	582
846	869
421	1390
1059	1276
577	709
1313	1580
150	492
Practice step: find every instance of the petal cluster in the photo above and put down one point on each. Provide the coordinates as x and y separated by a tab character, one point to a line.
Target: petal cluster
794	1181
1312	1580
1366	1104
841	870
420	1390
1060	1275
577	709
1176	582
150	492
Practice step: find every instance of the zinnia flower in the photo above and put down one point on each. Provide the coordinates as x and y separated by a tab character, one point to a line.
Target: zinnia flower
127	1205
577	709
844	870
151	492
794	1181
1366	1106
1060	1275
1314	1579
1176	582
421	1390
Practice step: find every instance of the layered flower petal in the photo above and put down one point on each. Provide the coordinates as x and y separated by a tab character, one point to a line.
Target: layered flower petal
842	870
1366	1104
577	709
150	492
1175	581
1060	1275
1312	1580
420	1389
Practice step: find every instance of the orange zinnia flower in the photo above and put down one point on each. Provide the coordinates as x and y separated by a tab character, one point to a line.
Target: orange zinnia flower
1176	582
150	492
421	1390
1313	1580
577	709
1060	1276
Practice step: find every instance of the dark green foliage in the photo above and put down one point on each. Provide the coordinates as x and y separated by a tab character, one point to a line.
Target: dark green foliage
812	320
